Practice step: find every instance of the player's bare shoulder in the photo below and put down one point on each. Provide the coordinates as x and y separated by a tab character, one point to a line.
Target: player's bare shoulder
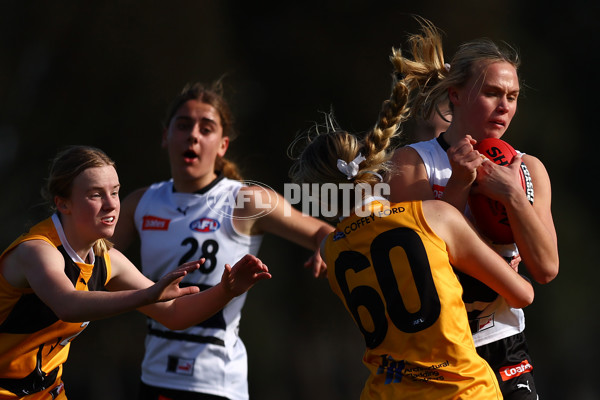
439	210
408	177
30	256
536	169
442	217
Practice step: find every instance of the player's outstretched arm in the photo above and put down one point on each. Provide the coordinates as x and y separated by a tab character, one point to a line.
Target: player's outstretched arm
38	265
187	311
282	220
245	273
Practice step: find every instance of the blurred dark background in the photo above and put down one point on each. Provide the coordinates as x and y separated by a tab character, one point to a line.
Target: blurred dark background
102	74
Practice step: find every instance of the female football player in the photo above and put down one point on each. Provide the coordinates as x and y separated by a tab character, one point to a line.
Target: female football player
204	211
64	273
481	86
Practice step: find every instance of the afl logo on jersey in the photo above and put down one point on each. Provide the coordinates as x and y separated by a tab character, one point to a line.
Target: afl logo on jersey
205	225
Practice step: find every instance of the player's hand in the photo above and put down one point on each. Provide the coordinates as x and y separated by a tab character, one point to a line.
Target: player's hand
499	182
464	160
317	265
514	262
243	275
167	288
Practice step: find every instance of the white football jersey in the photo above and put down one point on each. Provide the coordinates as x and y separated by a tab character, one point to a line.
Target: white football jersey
491	318
175	228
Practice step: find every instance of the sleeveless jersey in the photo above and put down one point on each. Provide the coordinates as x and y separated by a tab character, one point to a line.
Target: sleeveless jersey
491	318
34	343
175	228
393	274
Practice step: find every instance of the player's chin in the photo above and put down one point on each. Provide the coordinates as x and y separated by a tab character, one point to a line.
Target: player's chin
495	131
106	231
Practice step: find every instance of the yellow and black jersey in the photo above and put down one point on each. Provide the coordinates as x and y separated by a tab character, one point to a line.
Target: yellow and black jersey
393	274
34	343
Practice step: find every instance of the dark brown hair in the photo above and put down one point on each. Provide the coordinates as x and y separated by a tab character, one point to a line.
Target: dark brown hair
213	96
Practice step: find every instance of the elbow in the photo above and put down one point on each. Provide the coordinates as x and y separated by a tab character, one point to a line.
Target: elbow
527	300
547	278
70	316
322	233
174	326
524	300
175	322
67	311
548	274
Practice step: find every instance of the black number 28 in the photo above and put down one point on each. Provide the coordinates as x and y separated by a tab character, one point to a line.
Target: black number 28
370	299
210	248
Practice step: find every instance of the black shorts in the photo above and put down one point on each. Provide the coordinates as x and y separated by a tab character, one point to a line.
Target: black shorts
148	392
510	360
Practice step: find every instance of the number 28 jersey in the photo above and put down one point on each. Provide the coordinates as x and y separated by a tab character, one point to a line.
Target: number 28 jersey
393	274
175	228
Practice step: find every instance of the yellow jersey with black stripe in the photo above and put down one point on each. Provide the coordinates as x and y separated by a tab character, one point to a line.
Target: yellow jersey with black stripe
393	274
34	343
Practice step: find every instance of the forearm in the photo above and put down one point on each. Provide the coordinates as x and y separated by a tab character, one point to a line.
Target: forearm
80	306
537	245
520	293
482	263
321	234
191	310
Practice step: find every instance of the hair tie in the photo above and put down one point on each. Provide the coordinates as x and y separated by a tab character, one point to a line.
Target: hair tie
350	169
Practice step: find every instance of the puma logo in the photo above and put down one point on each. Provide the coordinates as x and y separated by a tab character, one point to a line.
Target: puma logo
524	386
182	210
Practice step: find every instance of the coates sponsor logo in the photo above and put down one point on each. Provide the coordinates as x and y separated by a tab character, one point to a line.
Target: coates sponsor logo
152	223
515	370
205	225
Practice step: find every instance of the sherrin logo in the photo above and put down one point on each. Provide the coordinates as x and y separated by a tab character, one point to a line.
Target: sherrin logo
152	223
205	225
515	370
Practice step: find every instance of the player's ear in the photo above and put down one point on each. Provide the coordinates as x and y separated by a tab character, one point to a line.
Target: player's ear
62	205
453	95
223	146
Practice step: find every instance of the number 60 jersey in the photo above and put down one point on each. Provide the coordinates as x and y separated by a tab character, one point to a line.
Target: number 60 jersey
393	274
175	228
